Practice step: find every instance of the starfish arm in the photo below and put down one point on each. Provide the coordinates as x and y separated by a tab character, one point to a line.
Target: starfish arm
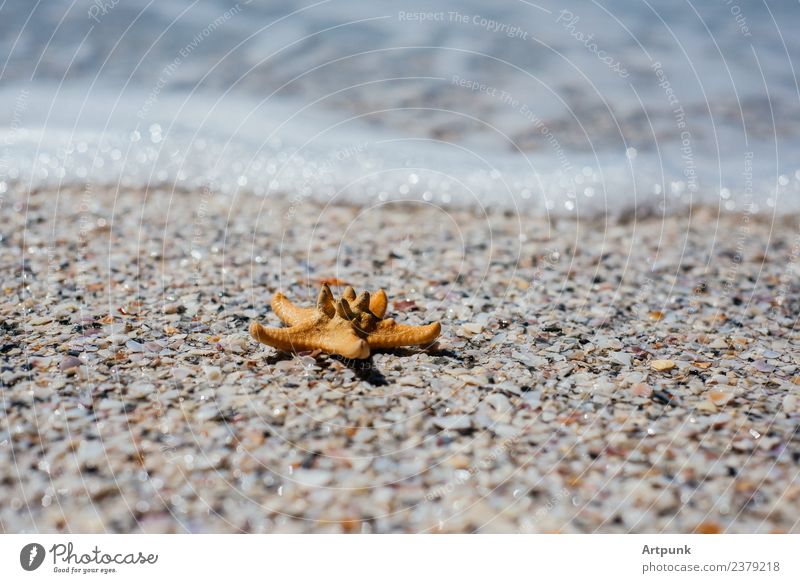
378	303
361	303
310	336
325	302
293	339
390	334
343	310
289	313
349	293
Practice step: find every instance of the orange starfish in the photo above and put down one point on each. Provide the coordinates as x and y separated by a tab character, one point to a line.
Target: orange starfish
351	326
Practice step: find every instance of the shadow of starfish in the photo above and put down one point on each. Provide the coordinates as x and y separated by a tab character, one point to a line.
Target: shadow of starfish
437	352
365	369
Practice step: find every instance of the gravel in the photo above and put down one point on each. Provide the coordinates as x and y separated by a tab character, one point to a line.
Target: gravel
592	376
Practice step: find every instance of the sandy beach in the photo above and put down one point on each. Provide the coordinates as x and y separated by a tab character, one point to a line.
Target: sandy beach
593	375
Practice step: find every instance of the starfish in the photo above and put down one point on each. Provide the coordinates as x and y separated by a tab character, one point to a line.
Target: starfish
351	326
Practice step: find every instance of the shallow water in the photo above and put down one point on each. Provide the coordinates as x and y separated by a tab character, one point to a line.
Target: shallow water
597	108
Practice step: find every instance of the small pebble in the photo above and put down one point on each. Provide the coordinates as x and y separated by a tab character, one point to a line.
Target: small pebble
213	373
134	346
662	365
70	363
622	358
720	398
472	328
454	422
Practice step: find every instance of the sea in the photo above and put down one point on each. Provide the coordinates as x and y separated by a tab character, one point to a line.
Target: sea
566	108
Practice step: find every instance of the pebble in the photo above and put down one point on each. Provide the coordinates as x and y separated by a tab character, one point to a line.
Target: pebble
662	365
153	347
141	389
134	346
40	361
70	363
529	360
213	373
762	366
622	358
313	478
118	339
453	422
720	397
471	328
180	373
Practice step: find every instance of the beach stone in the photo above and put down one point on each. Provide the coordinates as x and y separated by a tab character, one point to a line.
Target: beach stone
622	358
70	363
453	422
662	365
472	328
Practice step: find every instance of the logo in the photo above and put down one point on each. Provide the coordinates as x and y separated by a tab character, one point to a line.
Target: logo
31	556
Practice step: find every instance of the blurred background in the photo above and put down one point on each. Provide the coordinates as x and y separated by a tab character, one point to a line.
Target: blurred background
596	108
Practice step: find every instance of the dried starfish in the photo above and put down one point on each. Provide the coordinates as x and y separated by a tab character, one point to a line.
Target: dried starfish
351	326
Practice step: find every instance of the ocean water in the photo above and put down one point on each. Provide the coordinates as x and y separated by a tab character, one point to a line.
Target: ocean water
575	109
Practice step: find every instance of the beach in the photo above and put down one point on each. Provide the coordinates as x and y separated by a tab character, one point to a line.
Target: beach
594	374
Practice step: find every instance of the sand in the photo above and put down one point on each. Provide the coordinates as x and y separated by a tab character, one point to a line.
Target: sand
593	375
